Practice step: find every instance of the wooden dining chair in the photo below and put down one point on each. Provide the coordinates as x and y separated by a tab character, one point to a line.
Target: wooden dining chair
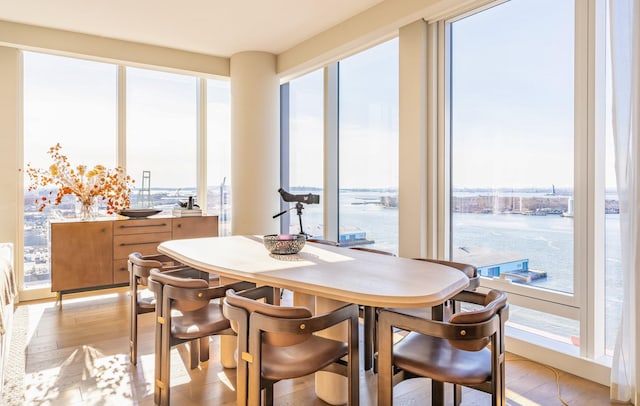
186	311
143	301
278	342
467	350
442	312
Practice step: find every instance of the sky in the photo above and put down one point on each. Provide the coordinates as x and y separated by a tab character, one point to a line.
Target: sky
512	109
74	102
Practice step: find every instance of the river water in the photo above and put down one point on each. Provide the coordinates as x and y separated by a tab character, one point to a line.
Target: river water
546	241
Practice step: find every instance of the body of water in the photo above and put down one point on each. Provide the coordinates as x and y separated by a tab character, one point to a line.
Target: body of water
547	242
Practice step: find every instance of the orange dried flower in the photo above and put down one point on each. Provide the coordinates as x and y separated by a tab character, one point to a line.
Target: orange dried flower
114	186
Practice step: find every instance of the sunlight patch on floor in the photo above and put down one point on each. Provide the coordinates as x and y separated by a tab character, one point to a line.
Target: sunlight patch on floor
85	374
514	399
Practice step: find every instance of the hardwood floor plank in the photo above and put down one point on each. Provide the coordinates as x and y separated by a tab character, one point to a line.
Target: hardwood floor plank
78	355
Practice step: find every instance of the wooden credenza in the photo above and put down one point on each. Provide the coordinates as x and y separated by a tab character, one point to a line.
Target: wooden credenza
88	255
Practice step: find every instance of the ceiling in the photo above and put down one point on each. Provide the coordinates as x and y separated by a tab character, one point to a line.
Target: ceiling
215	27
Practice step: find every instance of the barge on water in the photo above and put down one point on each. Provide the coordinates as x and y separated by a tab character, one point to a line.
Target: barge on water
503	265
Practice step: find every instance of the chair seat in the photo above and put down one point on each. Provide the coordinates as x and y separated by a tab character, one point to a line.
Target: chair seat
205	321
301	359
146	301
435	357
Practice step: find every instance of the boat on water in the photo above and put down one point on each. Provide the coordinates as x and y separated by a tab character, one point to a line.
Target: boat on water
503	265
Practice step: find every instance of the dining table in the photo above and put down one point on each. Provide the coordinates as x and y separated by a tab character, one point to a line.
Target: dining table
325	278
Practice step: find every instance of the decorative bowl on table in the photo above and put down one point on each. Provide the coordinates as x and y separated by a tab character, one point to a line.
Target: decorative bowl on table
139	213
284	244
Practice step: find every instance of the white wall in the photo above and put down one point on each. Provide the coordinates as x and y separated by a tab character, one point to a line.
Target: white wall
10	102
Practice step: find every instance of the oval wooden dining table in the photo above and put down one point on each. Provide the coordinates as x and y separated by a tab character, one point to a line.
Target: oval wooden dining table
332	276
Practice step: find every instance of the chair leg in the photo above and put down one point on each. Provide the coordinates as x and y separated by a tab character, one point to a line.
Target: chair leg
254	392
369	333
165	361
204	349
457	395
194	351
437	393
385	364
133	326
268	394
158	359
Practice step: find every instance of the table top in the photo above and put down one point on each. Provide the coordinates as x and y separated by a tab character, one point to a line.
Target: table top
337	273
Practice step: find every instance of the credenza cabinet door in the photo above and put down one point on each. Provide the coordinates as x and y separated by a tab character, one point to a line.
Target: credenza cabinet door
195	227
81	255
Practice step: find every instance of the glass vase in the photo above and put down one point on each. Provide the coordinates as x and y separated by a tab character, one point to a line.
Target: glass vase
87	209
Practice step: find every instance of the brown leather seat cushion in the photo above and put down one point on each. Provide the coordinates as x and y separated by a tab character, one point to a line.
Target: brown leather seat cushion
436	358
202	322
300	359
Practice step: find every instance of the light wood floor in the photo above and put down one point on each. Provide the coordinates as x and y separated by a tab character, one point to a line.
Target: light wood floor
78	354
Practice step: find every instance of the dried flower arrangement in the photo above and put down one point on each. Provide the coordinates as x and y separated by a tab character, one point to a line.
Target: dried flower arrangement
86	184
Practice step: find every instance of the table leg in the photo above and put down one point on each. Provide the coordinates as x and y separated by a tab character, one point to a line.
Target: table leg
306	300
331	388
228	344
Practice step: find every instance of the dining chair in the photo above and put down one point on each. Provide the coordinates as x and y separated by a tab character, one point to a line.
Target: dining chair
369	317
441	312
466	350
142	301
278	342
186	311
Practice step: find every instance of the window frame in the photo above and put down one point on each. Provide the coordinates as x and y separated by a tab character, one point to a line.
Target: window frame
587	303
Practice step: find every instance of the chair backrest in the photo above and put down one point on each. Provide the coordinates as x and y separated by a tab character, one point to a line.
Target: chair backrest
494	301
284	312
140	267
185	283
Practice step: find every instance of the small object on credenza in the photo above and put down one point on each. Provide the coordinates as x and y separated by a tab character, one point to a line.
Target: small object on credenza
139	213
181	212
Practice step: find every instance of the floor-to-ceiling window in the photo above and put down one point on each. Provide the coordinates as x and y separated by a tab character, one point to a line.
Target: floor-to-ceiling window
219	153
363	102
526	169
161	137
71	102
368	147
306	150
512	146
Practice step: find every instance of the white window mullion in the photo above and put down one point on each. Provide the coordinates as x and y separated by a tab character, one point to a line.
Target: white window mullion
201	141
594	304
121	144
331	186
285	142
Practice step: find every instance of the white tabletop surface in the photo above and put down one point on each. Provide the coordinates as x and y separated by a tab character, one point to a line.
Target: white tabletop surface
337	273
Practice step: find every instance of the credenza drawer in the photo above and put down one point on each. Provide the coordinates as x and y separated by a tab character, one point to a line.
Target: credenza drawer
120	271
146	244
144	226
